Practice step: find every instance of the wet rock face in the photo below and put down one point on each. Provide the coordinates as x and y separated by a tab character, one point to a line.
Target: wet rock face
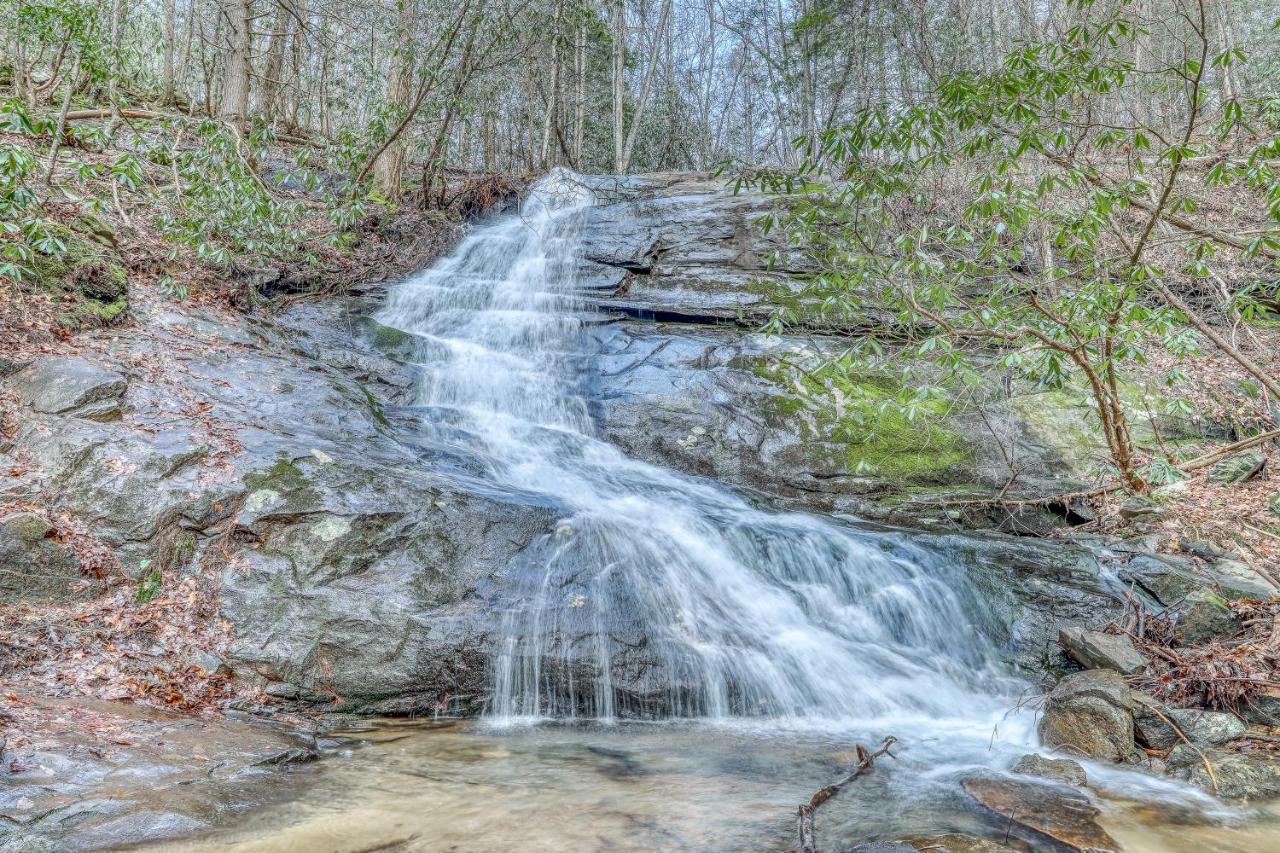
702	392
113	774
1090	713
70	386
350	555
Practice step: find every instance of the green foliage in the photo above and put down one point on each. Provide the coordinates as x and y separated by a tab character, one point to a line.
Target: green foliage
1046	256
149	587
224	211
24	230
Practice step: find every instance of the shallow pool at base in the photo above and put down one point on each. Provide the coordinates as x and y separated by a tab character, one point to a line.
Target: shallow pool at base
669	786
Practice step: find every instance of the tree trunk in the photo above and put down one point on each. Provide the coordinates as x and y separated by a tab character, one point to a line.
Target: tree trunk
238	15
644	88
390	164
580	93
553	91
273	70
619	91
170	35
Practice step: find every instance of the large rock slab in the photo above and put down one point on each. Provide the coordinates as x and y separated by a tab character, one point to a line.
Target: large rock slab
70	385
1090	713
88	775
1049	814
1096	650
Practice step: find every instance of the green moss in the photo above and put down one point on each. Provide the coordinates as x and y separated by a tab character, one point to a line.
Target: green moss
87	274
374	408
865	420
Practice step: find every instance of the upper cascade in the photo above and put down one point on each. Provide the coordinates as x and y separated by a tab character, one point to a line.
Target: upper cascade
660	594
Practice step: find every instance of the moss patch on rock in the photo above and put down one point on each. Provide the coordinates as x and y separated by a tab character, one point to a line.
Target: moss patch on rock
876	423
87	278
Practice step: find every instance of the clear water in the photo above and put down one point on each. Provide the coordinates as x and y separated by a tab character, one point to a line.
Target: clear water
677	786
661	595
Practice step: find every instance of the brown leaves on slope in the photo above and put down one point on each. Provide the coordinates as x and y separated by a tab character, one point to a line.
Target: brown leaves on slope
116	648
1222	674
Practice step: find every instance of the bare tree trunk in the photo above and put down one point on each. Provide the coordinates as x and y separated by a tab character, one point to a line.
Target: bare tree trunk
390	164
619	68
61	129
170	33
273	69
580	92
553	91
644	87
114	67
238	15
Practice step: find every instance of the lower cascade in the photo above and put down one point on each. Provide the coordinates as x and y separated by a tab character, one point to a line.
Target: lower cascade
660	594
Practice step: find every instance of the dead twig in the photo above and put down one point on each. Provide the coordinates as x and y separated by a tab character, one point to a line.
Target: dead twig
866	760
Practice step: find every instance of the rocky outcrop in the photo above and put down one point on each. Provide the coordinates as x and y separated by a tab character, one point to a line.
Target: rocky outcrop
70	386
1096	650
701	390
351	554
1091	714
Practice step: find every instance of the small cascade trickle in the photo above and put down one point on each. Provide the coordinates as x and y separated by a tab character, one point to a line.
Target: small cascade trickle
662	595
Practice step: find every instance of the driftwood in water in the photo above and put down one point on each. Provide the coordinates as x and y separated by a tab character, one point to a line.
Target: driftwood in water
866	760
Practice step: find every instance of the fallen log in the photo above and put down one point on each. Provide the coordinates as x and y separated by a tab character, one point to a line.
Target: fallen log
85	115
866	761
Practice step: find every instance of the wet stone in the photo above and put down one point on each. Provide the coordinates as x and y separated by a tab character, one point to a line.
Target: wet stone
1047	814
1236	775
70	385
1096	650
1056	769
1089	712
1203	728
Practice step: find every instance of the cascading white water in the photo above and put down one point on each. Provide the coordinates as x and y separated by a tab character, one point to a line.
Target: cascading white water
661	594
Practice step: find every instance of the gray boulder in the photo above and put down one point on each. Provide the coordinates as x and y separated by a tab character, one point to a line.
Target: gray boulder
1090	713
1058	769
1203	617
1096	650
69	385
1236	775
1237	468
1201	727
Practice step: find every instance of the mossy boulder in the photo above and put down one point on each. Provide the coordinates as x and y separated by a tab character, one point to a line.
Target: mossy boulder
86	276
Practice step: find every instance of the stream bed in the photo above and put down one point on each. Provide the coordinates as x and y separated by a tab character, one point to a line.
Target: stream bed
424	786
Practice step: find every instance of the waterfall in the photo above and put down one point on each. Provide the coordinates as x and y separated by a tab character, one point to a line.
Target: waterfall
660	594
